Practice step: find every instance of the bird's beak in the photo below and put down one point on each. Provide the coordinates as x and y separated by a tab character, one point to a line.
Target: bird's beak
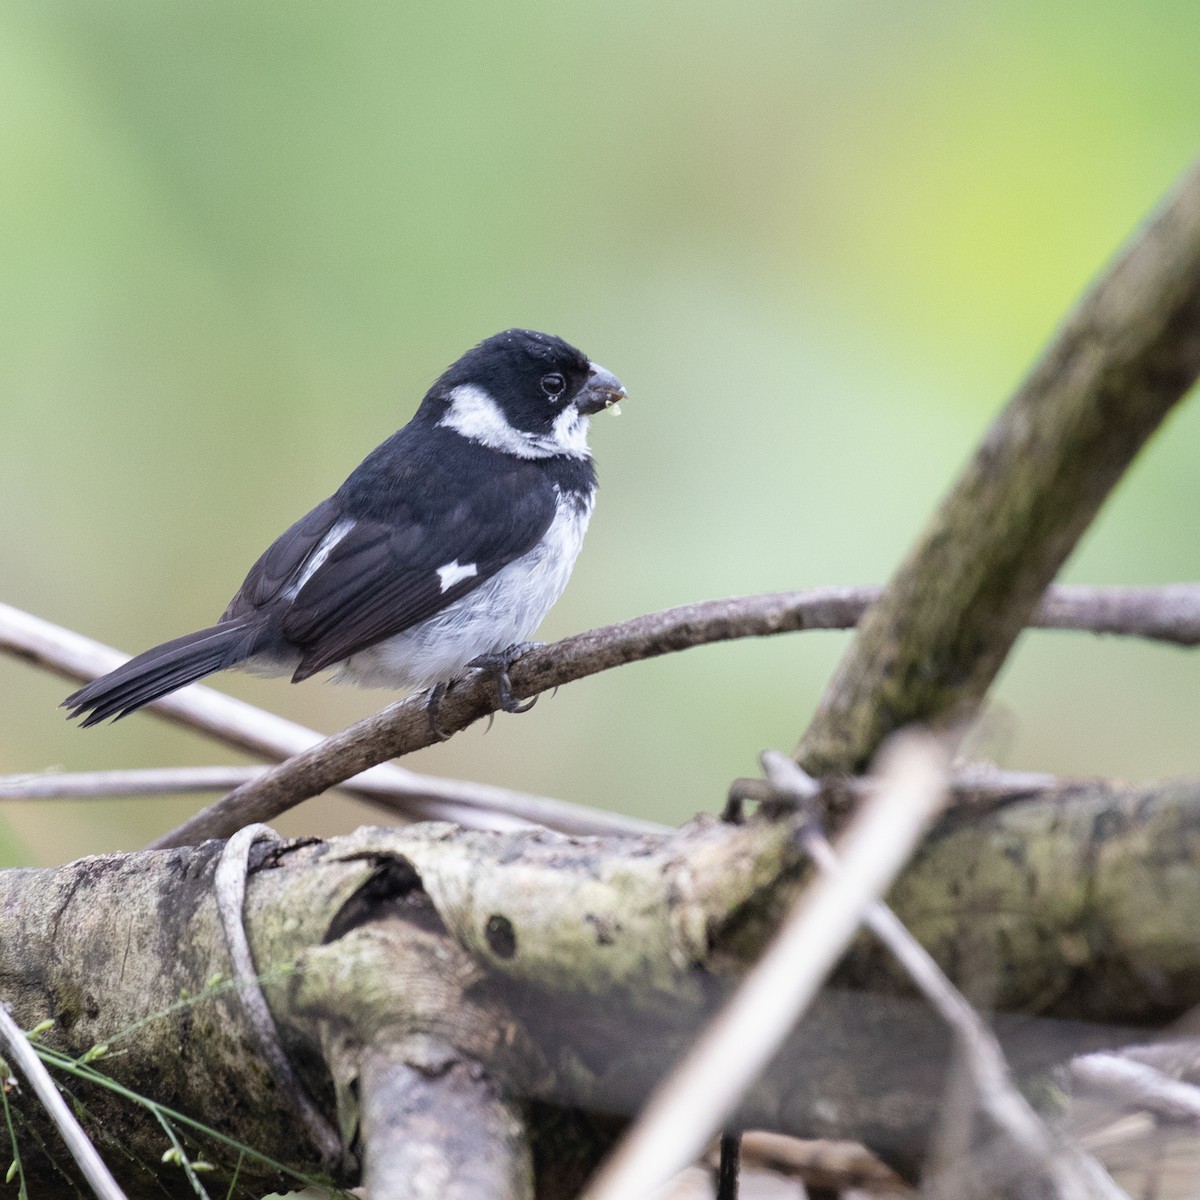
602	390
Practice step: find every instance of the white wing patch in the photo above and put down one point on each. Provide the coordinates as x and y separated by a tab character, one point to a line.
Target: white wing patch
453	572
322	551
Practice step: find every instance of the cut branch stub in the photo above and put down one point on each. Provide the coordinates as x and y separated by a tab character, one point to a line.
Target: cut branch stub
929	650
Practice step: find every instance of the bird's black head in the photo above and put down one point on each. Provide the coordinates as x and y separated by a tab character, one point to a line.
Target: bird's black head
523	393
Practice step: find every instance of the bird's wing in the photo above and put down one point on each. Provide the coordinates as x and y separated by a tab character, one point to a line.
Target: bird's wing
384	576
283	560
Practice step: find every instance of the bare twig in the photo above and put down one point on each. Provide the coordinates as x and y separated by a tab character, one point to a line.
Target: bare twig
930	649
694	1101
1178	1057
729	1166
155	781
233	722
17	1047
978	787
1169	613
1074	1174
1132	1084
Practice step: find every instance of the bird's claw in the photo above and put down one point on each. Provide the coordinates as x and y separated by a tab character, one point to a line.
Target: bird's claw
431	711
498	666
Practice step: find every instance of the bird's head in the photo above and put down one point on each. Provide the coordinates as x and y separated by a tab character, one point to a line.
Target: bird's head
523	393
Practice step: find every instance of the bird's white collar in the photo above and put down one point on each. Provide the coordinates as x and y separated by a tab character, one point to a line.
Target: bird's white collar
476	415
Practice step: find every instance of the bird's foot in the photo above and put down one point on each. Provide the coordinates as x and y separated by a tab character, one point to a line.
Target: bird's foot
498	665
431	711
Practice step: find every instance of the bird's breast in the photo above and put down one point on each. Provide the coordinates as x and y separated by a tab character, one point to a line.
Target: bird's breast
503	610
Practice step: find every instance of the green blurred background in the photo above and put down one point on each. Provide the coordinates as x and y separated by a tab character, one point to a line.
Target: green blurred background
819	242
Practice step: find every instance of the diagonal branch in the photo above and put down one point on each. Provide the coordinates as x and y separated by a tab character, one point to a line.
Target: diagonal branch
1170	613
16	1045
930	649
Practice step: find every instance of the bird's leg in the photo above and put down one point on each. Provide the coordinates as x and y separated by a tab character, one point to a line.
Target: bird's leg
498	666
431	709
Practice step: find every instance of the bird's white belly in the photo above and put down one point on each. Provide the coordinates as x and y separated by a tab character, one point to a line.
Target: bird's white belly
500	612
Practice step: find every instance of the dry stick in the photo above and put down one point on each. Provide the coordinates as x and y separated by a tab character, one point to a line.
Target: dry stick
978	787
1169	613
930	649
17	1047
695	1100
229	890
155	781
235	723
1074	1174
1132	1084
495	805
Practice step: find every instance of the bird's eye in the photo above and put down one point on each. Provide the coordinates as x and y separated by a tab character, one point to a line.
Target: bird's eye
553	385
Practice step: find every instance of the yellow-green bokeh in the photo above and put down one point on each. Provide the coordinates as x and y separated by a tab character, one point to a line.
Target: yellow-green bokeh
819	242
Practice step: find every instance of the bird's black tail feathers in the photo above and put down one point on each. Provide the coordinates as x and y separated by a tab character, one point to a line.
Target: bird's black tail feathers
160	670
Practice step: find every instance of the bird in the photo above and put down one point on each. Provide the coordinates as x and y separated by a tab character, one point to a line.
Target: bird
443	550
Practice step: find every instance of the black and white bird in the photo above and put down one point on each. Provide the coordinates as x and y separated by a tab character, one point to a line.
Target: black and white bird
446	547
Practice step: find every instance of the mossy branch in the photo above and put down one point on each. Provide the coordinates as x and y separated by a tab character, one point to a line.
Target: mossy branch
571	971
929	650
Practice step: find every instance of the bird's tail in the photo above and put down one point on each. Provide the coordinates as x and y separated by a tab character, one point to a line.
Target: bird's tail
161	670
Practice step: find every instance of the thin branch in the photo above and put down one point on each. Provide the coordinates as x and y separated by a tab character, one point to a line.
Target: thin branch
694	1101
928	652
17	1047
155	781
1131	1084
229	890
1169	613
402	793
978	787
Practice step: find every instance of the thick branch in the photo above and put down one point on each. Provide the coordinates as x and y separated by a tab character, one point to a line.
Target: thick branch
576	970
930	649
440	1130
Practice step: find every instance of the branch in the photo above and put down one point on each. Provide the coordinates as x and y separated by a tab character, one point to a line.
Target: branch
930	649
1170	613
1130	1084
444	1132
1073	1173
576	971
153	782
827	1166
402	793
